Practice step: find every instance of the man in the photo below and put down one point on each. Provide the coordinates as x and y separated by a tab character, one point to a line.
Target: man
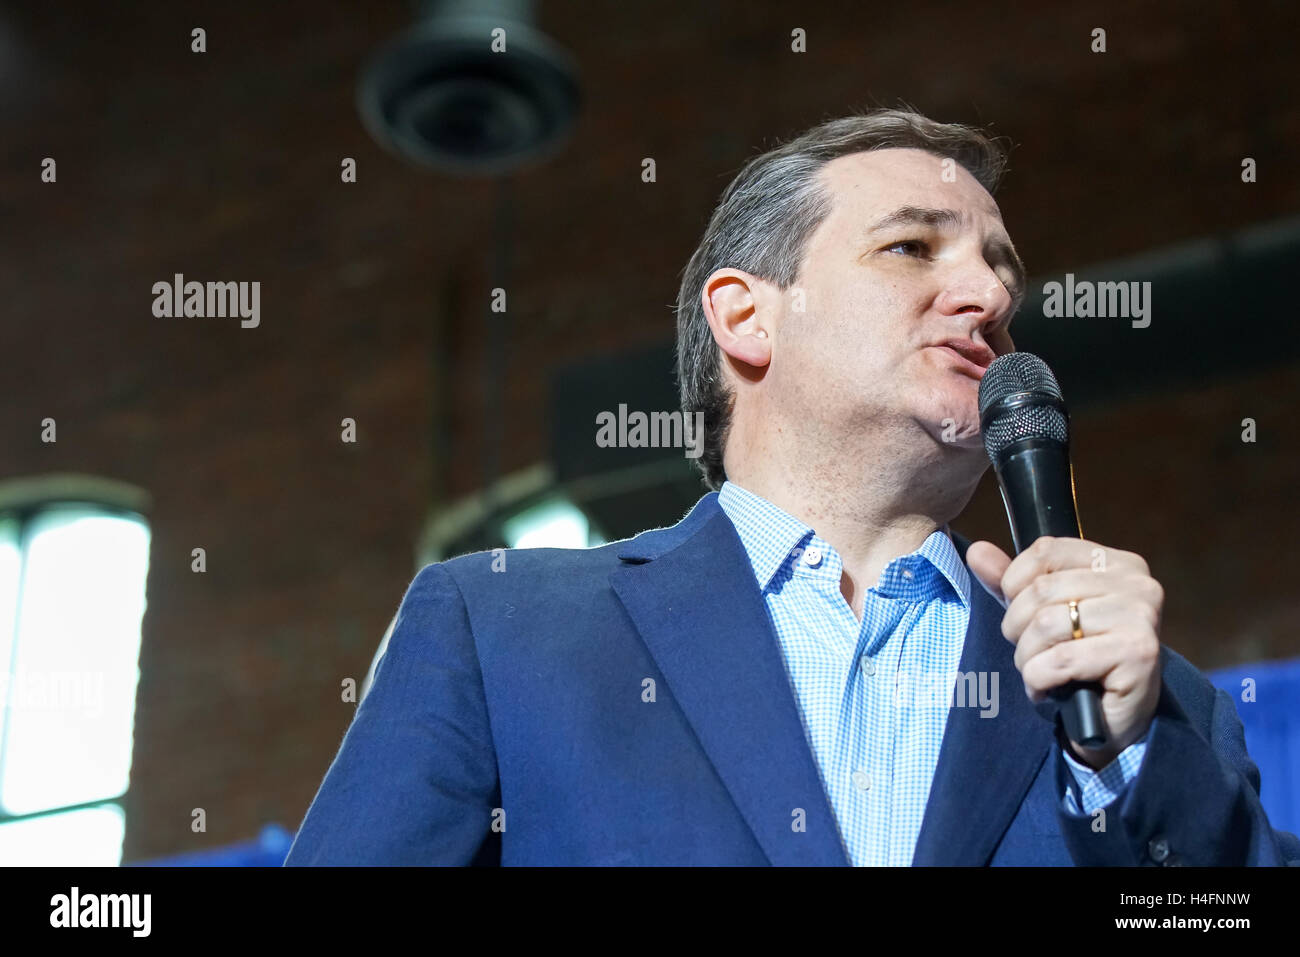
755	684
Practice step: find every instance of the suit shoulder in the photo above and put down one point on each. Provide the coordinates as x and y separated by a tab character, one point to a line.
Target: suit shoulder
576	568
534	564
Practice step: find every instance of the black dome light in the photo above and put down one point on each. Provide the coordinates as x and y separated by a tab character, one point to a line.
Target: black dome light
439	96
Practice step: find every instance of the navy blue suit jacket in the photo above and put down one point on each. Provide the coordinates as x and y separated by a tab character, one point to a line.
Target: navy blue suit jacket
507	723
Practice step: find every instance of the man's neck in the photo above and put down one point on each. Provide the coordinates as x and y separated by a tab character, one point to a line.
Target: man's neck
871	515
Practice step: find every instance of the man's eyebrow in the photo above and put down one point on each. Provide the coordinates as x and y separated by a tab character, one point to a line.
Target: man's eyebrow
917	216
940	218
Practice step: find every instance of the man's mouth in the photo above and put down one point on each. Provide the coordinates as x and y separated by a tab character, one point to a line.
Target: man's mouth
970	358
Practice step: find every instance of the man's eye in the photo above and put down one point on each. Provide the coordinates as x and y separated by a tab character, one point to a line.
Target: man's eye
911	247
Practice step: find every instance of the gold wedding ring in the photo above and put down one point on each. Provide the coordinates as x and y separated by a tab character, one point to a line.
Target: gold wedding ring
1076	630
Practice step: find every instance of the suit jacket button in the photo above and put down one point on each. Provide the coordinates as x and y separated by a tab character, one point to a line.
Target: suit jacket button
1158	848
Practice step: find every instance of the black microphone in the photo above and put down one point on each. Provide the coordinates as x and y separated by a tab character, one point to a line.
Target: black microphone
1027	436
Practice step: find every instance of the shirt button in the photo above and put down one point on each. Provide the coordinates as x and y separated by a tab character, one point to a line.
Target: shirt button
868	666
862	780
907	573
812	556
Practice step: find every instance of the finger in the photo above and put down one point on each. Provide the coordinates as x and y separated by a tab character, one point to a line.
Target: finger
1115	659
988	563
1060	588
1048	554
1051	625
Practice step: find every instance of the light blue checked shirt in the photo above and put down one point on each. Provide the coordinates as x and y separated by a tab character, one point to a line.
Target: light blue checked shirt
874	695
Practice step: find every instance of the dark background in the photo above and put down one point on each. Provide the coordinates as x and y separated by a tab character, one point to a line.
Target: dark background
225	166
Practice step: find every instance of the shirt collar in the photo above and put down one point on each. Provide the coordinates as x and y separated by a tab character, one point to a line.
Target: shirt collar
769	534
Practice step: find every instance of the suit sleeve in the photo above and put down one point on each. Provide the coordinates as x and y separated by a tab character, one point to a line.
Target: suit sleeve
415	780
1195	800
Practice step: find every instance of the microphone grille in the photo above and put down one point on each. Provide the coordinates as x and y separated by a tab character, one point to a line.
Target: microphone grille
1018	372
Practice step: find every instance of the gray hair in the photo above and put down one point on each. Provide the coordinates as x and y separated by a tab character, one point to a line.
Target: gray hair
762	224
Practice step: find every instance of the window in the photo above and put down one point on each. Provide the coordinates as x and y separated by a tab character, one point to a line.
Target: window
72	596
553	523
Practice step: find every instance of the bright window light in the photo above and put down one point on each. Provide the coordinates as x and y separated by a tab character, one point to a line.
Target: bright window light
10	564
72	596
88	837
557	523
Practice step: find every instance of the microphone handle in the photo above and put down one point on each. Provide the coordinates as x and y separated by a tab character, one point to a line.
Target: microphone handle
1038	492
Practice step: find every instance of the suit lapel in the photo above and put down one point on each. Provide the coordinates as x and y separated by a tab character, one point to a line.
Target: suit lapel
691	593
986	764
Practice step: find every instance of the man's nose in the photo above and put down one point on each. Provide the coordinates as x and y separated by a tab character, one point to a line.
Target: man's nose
973	289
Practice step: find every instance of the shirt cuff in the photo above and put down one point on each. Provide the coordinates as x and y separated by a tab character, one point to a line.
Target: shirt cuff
1101	788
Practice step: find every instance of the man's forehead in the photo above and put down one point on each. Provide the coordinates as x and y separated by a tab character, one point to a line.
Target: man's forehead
879	181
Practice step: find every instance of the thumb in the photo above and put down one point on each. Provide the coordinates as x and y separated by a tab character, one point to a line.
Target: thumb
989	563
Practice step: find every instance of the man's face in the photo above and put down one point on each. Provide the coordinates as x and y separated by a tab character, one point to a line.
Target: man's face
904	263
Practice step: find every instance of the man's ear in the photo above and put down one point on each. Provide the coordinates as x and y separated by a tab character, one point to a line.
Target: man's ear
741	314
